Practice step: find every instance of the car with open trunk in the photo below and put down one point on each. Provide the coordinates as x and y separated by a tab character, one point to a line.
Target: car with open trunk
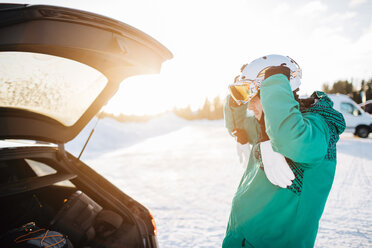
58	67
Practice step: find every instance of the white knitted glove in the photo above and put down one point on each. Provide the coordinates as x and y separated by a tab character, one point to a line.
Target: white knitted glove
275	166
243	153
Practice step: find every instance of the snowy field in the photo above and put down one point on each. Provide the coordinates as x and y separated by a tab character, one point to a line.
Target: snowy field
186	173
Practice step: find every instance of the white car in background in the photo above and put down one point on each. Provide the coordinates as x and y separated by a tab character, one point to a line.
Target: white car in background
357	120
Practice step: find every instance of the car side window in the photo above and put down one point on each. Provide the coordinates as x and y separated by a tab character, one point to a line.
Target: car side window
42	169
350	109
39	168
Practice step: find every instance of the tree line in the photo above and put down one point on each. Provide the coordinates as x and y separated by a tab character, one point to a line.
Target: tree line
210	110
213	109
347	87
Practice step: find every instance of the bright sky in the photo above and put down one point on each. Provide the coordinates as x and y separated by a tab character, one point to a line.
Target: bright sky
212	39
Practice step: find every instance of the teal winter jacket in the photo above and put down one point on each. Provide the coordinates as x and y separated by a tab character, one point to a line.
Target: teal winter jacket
265	215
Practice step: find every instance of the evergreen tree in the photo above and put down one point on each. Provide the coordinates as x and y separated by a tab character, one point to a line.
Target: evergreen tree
205	112
218	108
343	87
325	88
346	87
368	86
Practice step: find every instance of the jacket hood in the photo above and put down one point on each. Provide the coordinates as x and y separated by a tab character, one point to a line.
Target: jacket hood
324	107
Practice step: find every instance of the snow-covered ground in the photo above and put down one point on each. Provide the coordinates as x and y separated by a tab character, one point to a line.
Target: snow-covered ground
186	173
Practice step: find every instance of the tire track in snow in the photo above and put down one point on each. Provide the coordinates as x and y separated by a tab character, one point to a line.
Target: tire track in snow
347	219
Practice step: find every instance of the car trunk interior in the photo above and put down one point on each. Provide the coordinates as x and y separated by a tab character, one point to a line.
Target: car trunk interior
63	207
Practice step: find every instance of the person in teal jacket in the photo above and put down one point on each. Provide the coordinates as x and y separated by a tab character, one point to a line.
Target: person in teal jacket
283	191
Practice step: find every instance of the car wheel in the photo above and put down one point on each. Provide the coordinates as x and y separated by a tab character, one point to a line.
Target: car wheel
362	132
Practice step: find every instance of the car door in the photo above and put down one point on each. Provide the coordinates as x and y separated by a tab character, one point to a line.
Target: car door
351	114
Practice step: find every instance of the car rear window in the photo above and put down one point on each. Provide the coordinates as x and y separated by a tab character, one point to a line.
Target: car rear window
56	87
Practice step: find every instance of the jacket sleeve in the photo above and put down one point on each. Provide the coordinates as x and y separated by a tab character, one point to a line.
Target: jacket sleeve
239	118
301	137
